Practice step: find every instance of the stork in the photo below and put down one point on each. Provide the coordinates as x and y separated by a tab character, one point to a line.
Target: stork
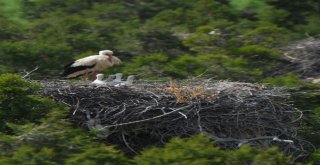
91	64
110	78
129	82
117	80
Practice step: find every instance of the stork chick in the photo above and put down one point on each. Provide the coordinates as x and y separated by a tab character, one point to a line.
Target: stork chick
99	80
129	82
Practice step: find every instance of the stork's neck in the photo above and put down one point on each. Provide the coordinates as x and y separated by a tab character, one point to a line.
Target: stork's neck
110	59
118	77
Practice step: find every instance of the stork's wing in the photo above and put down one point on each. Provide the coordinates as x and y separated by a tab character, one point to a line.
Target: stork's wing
78	67
87	61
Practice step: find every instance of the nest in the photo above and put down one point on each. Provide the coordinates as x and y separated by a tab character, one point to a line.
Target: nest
304	57
144	115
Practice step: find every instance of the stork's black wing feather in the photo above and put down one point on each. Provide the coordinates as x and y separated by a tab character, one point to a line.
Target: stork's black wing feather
68	65
71	69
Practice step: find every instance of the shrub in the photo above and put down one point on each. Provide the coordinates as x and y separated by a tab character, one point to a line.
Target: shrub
18	103
199	150
290	80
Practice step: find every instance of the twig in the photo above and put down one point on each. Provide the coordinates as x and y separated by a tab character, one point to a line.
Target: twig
77	106
244	141
127	144
28	73
144	120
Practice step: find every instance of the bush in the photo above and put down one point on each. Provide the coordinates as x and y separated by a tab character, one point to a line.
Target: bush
199	150
151	65
34	130
98	155
290	80
219	66
18	103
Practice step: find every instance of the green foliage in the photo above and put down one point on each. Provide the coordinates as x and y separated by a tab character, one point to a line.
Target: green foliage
159	40
18	103
251	155
315	158
298	11
98	155
274	15
248	5
311	28
56	141
267	35
45	136
10	30
199	150
29	155
290	80
185	66
219	66
259	53
11	10
58	31
260	58
148	65
204	43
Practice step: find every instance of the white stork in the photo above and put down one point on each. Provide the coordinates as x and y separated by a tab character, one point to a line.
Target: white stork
91	64
110	78
129	82
117	79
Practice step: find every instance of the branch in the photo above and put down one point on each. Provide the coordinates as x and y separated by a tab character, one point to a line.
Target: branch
244	141
152	118
28	73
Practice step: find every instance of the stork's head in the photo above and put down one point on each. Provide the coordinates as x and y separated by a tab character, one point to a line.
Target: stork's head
106	52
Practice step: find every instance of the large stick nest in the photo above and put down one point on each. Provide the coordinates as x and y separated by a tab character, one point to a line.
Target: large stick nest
232	113
304	57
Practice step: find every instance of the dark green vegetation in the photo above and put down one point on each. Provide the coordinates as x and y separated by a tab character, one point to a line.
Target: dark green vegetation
225	39
237	40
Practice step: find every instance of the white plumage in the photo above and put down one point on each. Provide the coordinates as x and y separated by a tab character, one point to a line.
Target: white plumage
115	81
110	78
91	64
99	80
118	78
129	82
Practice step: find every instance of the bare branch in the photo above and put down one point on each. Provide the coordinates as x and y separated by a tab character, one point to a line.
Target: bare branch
30	72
